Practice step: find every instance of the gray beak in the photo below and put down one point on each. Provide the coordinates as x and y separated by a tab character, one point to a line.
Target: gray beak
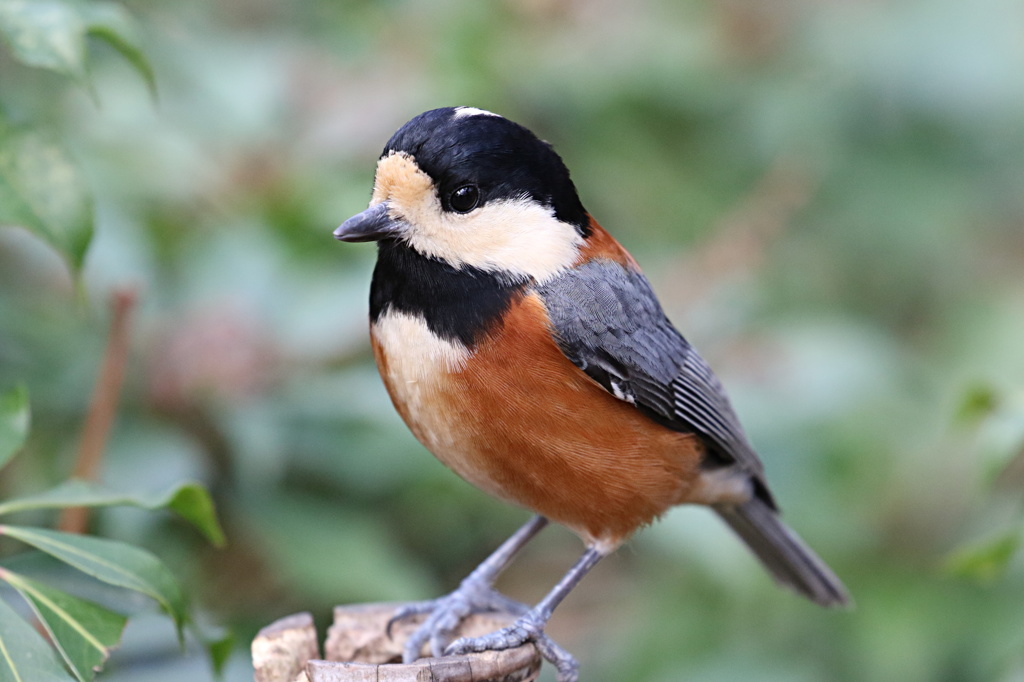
371	225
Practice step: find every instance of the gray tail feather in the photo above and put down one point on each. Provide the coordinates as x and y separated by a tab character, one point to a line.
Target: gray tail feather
787	558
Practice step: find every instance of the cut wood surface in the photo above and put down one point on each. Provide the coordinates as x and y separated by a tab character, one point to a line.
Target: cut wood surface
358	649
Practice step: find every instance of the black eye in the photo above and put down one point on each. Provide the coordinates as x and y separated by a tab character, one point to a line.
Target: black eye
464	199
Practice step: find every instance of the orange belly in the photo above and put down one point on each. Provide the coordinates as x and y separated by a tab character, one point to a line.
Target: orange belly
517	419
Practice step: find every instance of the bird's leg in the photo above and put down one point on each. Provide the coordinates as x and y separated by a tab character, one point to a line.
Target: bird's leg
474	595
530	626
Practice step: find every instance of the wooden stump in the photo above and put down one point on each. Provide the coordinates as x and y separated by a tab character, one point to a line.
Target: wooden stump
358	649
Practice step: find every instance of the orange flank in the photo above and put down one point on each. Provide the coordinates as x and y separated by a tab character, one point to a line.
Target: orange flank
545	436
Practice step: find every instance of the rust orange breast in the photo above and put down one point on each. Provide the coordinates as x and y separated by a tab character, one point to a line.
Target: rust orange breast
517	419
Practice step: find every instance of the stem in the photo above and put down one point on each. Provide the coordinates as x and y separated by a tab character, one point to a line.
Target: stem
103	406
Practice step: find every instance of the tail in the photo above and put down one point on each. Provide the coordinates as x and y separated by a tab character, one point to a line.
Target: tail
787	558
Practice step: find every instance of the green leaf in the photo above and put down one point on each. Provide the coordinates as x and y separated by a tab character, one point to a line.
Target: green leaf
51	34
42	191
193	503
24	654
189	500
218	642
47	34
15	417
83	632
986	561
112	562
110	22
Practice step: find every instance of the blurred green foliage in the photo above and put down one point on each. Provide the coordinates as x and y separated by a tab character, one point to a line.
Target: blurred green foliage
826	195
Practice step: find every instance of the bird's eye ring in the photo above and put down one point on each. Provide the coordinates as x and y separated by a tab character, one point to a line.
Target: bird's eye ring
464	199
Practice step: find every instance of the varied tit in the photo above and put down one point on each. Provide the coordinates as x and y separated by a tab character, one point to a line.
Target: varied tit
523	346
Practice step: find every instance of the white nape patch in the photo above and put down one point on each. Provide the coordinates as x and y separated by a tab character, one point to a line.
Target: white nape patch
518	237
463	112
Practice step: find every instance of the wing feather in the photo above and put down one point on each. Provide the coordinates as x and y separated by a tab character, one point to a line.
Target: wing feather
608	322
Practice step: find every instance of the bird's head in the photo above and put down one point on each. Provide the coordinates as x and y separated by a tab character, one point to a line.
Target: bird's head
472	188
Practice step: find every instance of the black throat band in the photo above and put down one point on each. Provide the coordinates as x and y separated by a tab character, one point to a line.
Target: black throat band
458	304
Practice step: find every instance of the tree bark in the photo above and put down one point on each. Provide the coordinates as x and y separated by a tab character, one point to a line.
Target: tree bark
358	649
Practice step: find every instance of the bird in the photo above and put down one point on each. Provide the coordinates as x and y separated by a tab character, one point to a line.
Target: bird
524	347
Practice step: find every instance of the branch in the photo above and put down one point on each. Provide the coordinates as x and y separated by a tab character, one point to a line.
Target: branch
359	648
103	405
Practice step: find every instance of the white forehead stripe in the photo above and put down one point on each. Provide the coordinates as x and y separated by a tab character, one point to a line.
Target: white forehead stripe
463	112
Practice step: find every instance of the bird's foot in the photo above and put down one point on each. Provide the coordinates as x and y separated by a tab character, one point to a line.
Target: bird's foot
528	628
447	612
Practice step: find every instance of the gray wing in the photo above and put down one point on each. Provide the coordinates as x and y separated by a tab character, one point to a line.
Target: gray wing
608	322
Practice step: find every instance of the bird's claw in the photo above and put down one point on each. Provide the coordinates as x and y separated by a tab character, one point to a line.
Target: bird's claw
446	613
408	611
527	629
477	596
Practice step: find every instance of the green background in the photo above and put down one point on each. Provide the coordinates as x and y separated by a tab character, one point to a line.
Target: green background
827	196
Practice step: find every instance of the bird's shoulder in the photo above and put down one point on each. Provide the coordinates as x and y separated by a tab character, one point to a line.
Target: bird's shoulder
607	320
